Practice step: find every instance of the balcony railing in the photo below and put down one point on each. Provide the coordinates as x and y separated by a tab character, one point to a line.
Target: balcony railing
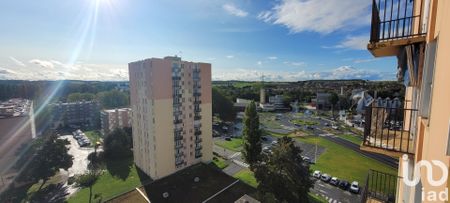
396	19
197	117
390	129
198	140
380	186
198	155
197	132
177	121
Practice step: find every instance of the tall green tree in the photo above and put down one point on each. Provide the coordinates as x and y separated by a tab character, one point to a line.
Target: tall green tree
283	174
51	156
334	99
222	105
251	135
117	144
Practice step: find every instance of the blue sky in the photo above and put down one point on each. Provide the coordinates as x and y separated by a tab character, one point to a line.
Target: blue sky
284	40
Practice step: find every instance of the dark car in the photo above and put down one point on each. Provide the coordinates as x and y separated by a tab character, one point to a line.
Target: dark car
264	138
344	185
334	181
228	138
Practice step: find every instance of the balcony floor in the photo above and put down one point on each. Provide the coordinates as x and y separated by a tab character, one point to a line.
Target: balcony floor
391	47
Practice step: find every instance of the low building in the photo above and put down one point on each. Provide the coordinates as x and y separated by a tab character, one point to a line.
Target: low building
17	130
111	119
323	101
80	114
241	104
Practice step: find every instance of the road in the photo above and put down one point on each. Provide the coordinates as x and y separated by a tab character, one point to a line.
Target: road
392	162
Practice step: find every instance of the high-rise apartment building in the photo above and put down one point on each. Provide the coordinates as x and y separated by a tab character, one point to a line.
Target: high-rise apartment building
172	114
77	114
417	33
110	119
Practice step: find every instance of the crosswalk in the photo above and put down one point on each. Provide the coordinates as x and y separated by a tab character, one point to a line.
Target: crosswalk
329	199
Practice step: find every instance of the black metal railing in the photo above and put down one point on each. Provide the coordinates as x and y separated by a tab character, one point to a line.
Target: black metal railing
197	117
198	155
177	121
396	19
380	186
390	129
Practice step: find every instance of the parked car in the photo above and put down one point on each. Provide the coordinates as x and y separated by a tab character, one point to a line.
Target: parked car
264	138
307	159
325	177
274	142
335	127
343	184
228	138
316	174
267	150
354	187
334	181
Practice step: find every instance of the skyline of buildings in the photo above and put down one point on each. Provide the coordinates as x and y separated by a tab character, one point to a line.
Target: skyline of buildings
172	114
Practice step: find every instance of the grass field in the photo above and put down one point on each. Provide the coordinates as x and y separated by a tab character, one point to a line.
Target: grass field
352	138
108	185
344	163
235	144
304	122
246	176
219	162
93	135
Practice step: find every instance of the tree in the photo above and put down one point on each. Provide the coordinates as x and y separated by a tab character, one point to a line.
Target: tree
222	106
334	98
50	157
283	173
113	99
251	135
88	180
117	144
73	97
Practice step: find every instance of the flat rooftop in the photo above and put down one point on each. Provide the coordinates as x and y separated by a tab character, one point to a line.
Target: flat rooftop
213	185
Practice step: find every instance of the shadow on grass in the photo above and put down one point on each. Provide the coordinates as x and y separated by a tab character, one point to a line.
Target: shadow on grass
51	193
119	168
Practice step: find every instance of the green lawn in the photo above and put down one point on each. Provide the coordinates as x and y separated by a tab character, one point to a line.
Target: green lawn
246	176
304	122
219	162
344	163
235	144
352	138
108	185
93	135
268	120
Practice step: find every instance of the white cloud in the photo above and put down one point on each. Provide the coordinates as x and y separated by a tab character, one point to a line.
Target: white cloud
272	58
353	42
55	70
233	10
322	16
343	72
17	62
42	63
259	63
230	56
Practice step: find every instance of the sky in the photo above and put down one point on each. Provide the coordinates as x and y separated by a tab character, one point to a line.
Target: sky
282	40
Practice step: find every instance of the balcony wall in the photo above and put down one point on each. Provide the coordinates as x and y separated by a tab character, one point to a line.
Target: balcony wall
389	129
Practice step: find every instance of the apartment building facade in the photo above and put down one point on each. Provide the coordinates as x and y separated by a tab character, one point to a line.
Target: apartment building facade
172	114
85	114
110	119
418	34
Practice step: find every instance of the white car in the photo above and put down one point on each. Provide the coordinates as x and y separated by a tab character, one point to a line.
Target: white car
354	187
317	174
274	142
334	127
